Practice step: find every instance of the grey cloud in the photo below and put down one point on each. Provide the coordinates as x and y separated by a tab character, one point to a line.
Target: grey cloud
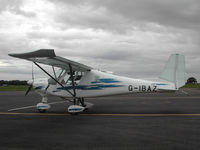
18	73
179	13
142	35
58	36
10	5
26	14
113	55
14	7
13	43
85	46
88	15
176	17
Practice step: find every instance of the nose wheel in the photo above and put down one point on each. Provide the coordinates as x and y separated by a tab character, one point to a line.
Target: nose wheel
43	106
42	110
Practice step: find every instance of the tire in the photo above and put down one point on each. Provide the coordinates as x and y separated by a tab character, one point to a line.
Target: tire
42	110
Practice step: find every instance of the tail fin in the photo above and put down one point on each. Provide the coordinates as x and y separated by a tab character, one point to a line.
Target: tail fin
174	70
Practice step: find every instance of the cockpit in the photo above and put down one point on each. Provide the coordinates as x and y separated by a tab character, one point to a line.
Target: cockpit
64	77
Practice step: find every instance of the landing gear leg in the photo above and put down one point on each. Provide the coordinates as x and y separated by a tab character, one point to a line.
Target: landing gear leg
79	101
82	101
44	99
75	101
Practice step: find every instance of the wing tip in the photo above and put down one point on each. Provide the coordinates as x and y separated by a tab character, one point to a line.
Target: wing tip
37	53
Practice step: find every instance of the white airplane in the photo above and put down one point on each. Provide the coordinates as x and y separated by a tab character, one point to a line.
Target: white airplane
78	81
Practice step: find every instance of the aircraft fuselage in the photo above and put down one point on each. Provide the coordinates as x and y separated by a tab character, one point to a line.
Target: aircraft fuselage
96	83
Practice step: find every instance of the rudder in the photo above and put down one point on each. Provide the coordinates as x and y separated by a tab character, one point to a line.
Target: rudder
174	70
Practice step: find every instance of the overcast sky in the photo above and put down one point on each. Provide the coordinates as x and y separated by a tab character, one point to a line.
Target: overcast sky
133	38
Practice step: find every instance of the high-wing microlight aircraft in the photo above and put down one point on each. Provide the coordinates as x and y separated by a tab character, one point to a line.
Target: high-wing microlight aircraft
77	81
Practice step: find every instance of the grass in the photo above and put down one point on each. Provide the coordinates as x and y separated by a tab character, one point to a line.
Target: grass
14	88
191	86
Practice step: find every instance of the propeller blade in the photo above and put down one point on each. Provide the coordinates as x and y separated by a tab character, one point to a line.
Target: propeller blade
30	82
29	89
32	73
47	88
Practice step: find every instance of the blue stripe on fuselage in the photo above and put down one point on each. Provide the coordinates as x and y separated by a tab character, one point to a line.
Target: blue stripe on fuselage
89	87
105	80
161	84
39	87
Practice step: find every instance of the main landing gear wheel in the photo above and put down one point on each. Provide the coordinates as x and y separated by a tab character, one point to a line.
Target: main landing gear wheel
75	109
79	106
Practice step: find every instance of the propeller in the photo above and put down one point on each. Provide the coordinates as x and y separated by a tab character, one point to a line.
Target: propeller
29	89
30	82
47	87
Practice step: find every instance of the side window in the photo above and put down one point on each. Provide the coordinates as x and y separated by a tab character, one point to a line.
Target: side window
77	75
64	77
58	76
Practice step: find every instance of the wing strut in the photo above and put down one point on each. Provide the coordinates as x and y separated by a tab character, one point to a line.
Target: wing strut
73	95
73	85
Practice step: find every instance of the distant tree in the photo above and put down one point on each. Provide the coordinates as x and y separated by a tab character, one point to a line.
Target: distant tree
191	80
13	82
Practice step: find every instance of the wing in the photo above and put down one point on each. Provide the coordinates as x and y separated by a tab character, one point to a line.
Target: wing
48	57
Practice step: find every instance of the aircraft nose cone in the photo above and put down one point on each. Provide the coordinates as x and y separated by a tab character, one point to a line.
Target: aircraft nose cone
30	82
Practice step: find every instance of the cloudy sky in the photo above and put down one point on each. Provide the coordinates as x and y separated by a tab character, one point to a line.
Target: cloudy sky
133	38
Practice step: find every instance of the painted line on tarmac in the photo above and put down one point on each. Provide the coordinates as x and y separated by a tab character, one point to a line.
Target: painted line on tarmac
117	115
143	115
34	114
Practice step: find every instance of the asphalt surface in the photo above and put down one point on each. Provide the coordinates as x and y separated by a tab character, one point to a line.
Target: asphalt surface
136	121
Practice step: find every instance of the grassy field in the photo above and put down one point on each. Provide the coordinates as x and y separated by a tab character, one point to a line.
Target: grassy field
191	86
14	88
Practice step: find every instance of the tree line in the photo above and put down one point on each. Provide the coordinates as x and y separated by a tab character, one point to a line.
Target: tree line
12	82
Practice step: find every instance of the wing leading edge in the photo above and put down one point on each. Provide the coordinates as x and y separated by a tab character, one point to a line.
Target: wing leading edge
48	57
